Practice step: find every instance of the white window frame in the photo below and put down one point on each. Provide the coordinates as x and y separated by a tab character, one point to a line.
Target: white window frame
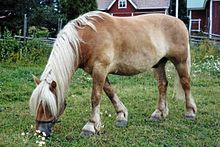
122	4
198	24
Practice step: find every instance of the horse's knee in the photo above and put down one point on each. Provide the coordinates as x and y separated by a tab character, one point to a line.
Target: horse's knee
185	82
162	86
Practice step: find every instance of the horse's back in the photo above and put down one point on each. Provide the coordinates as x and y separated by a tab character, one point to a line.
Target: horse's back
131	45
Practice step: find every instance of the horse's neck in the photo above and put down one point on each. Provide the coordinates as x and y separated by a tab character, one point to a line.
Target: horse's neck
62	61
58	72
60	68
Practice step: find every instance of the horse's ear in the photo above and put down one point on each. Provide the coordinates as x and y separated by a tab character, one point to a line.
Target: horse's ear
36	80
53	86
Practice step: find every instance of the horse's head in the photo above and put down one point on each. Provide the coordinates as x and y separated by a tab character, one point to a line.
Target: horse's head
43	104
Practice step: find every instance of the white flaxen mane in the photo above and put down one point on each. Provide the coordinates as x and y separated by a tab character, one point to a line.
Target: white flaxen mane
60	66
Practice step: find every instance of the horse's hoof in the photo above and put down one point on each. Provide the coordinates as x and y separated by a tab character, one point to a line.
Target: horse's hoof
190	117
155	118
121	123
86	133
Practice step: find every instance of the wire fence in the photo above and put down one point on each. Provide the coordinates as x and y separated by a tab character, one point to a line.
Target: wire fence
48	40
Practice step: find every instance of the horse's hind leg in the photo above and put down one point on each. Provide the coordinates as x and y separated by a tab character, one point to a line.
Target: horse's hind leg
162	105
121	110
182	69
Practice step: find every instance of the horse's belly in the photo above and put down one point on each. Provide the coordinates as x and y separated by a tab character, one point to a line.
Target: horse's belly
128	69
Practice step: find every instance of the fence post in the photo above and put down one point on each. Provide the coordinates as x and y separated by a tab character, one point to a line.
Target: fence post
210	18
177	8
60	24
190	22
25	27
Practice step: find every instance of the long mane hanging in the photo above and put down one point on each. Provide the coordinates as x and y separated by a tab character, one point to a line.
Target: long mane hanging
60	66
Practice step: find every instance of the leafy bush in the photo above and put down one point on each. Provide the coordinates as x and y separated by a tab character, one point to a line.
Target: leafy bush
38	31
35	51
9	48
204	50
31	51
206	58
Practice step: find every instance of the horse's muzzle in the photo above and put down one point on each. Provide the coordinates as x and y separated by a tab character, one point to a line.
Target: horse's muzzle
45	127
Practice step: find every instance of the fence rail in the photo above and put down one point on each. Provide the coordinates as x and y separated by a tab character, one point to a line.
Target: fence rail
44	39
206	36
193	38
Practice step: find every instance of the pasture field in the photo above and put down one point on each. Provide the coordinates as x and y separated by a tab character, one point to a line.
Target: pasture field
139	94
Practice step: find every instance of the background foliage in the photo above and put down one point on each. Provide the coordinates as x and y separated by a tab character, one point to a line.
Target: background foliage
41	13
74	8
16	10
31	51
182	10
45	13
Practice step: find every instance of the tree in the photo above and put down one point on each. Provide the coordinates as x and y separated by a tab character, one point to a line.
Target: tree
46	16
182	10
41	12
14	11
74	8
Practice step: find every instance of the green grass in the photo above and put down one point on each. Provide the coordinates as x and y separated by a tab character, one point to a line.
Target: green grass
139	94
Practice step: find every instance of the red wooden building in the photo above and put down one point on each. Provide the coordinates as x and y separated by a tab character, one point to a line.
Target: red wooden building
133	7
204	16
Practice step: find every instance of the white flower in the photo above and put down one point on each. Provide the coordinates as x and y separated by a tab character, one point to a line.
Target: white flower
88	78
37	141
43	138
32	126
109	115
106	112
38	131
41	143
22	133
44	134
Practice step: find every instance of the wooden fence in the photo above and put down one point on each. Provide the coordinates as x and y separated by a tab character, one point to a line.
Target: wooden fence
205	36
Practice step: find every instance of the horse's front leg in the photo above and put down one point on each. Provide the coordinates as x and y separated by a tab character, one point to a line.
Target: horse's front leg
93	125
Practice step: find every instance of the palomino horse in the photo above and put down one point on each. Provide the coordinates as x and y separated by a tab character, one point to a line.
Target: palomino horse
101	44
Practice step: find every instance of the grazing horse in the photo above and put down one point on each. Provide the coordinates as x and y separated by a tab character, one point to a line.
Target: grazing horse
102	44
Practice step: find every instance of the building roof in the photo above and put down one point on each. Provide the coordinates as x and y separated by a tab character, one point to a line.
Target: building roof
138	4
196	4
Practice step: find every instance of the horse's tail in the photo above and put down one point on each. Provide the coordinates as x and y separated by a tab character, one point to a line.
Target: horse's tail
178	91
